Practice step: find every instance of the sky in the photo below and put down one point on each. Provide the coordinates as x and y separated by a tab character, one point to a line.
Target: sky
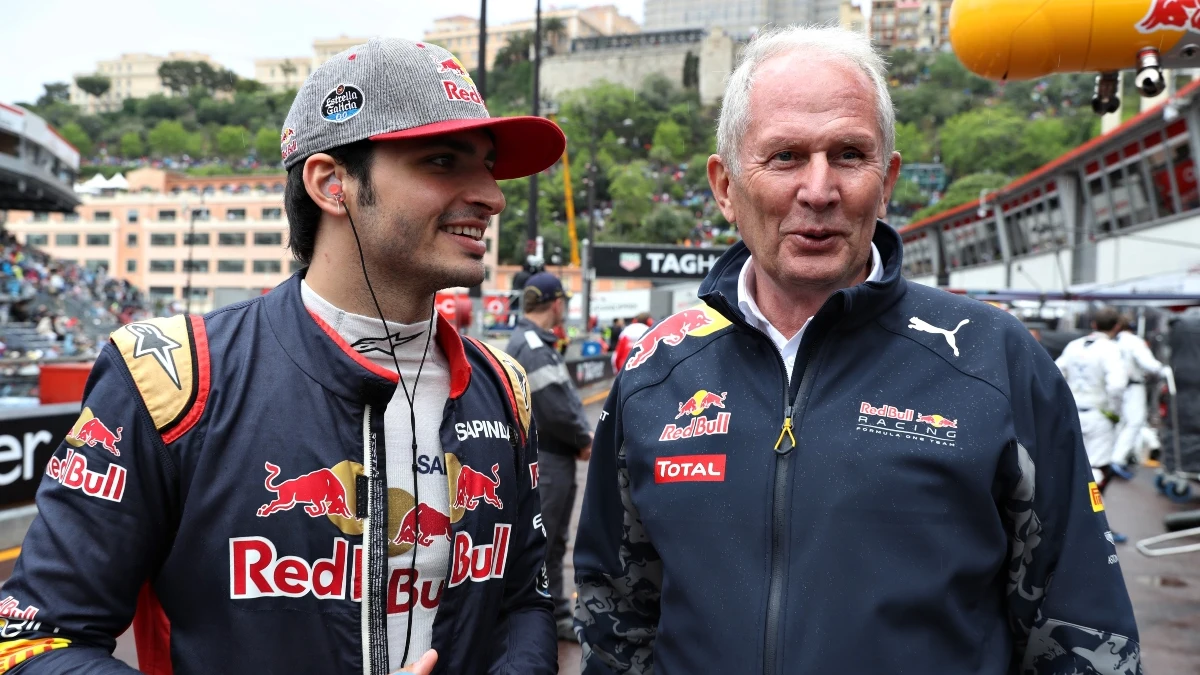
53	40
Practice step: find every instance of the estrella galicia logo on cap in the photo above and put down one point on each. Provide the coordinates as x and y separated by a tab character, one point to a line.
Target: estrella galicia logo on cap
344	102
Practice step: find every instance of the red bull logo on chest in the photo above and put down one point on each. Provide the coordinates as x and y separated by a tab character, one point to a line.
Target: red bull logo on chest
700	425
894	421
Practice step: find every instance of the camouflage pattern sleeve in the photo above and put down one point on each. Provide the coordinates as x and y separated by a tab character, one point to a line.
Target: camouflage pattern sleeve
1067	604
617	571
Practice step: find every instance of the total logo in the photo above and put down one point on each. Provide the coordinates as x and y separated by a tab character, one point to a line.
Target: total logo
700	425
906	423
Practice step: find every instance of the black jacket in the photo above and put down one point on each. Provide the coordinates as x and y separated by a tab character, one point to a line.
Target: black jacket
562	423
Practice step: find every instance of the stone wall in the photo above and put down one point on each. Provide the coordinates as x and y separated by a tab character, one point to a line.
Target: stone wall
628	60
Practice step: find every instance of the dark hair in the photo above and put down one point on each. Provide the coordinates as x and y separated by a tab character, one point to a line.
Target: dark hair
1106	319
304	215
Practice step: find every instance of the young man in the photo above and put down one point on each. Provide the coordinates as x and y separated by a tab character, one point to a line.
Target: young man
565	434
285	485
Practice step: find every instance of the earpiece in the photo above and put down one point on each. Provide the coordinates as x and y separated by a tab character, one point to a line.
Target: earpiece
334	189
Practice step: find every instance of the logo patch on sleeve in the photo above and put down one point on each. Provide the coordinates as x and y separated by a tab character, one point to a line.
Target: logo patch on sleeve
1094	495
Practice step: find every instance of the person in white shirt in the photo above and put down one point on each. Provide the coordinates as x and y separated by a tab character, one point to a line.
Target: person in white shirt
1139	363
1095	371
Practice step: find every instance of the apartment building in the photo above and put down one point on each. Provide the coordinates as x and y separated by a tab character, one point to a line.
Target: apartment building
229	232
132	76
289	72
922	25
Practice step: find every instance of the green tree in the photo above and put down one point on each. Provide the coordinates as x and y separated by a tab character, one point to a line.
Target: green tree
266	145
131	145
96	85
169	138
182	77
77	137
55	92
668	144
666	224
982	140
232	143
631	187
963	191
912	144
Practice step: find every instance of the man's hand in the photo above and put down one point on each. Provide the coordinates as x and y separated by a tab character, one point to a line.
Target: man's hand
586	453
423	666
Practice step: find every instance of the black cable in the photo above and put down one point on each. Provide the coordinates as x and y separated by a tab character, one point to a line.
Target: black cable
415	593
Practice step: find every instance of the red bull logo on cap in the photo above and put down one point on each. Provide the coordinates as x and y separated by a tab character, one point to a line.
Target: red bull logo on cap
320	491
1177	15
697	322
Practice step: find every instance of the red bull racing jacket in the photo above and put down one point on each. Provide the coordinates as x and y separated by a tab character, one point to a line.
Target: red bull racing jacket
915	499
224	492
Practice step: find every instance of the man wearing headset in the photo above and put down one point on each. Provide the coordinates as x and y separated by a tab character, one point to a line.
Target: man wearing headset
325	479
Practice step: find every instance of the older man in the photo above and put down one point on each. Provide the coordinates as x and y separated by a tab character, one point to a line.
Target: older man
824	469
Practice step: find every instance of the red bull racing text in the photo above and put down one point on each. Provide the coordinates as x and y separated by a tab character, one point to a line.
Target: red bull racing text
890	420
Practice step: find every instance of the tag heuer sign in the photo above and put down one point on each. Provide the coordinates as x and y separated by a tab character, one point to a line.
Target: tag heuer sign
632	261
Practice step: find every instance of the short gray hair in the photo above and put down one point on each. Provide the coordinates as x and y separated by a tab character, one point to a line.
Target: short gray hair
832	41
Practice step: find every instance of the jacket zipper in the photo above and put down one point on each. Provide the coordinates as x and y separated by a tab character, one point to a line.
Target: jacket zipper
374	636
779	519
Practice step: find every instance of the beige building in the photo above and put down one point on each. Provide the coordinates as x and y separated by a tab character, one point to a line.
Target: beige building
132	76
460	34
922	25
851	17
290	72
739	18
238	250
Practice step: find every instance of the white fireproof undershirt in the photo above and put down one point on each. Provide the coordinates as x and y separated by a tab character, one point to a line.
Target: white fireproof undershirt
366	336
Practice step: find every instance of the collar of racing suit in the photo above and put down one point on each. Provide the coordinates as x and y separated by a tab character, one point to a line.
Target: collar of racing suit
851	306
324	356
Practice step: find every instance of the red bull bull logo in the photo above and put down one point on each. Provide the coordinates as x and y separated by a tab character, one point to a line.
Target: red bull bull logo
937	421
701	401
421	525
671	331
93	433
320	491
72	472
474	487
1177	15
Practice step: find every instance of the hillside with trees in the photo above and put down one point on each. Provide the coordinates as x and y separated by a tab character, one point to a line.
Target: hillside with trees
638	155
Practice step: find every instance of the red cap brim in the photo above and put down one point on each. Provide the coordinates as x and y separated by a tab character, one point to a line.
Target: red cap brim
524	145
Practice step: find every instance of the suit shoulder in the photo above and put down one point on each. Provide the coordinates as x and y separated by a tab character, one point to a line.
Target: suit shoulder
169	361
670	341
508	372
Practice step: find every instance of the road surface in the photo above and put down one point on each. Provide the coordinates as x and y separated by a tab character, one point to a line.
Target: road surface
1165	591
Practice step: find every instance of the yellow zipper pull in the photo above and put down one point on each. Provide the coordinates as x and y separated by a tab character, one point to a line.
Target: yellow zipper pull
787	430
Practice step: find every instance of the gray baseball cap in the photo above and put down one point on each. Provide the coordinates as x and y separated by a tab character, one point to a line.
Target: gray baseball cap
390	88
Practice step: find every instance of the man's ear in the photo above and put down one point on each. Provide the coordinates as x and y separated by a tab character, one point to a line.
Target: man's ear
889	184
323	181
719	178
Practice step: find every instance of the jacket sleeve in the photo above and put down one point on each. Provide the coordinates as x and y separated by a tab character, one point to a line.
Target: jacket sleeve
1143	357
1067	603
527	644
102	528
556	403
617	571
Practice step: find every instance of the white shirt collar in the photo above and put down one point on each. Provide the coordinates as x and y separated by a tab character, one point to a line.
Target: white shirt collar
754	316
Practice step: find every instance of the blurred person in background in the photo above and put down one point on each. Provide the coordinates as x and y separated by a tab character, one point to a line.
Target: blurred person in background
1139	364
